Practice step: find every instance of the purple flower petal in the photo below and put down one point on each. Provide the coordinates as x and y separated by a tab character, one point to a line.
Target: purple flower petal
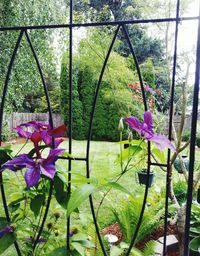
148	119
42	240
22	133
145	129
16	163
32	177
134	123
53	155
5	230
48	170
58	142
162	142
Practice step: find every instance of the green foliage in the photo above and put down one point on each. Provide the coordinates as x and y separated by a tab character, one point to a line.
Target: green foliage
195	228
5	154
78	196
7	239
7	134
61	194
114	98
149	249
180	191
36	203
198	140
195	244
77	118
25	81
128	215
186	136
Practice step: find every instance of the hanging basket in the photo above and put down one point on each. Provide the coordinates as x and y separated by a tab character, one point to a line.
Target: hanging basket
177	164
143	175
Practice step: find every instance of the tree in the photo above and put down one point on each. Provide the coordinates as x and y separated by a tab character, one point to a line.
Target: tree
114	98
25	73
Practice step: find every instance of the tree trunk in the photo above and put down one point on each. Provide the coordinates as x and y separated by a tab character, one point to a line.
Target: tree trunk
181	228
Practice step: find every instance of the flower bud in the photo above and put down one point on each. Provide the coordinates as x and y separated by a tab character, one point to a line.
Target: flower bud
13	226
57	215
56	233
121	125
130	137
49	225
74	231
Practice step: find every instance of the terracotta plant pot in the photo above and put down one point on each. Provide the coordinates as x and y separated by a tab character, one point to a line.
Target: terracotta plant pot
177	164
142	177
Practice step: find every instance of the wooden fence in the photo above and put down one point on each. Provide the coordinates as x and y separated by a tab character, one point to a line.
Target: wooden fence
16	119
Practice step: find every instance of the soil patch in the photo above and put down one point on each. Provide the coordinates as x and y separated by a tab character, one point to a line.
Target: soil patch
114	229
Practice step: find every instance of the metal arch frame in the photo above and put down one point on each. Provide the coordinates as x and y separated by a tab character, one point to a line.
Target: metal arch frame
120	25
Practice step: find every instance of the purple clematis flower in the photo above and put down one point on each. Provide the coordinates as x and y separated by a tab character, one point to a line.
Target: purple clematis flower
35	167
36	132
145	129
40	240
5	231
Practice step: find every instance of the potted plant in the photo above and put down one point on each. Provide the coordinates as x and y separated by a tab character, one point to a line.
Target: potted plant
177	164
143	177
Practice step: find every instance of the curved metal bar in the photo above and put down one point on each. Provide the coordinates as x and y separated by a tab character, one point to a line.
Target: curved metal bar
125	32
148	146
51	124
192	145
70	118
5	89
90	134
170	126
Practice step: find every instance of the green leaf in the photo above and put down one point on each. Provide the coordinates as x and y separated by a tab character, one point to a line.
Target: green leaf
160	155
5	154
6	241
82	239
115	251
117	186
124	245
195	244
61	251
131	151
79	248
87	244
195	230
79	196
136	252
36	203
79	237
66	154
3	222
133	142
15	199
60	194
32	152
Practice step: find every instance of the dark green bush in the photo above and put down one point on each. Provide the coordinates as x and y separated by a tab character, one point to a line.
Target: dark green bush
186	136
114	98
198	140
180	191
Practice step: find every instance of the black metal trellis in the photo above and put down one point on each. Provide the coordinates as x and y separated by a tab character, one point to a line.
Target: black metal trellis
121	26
